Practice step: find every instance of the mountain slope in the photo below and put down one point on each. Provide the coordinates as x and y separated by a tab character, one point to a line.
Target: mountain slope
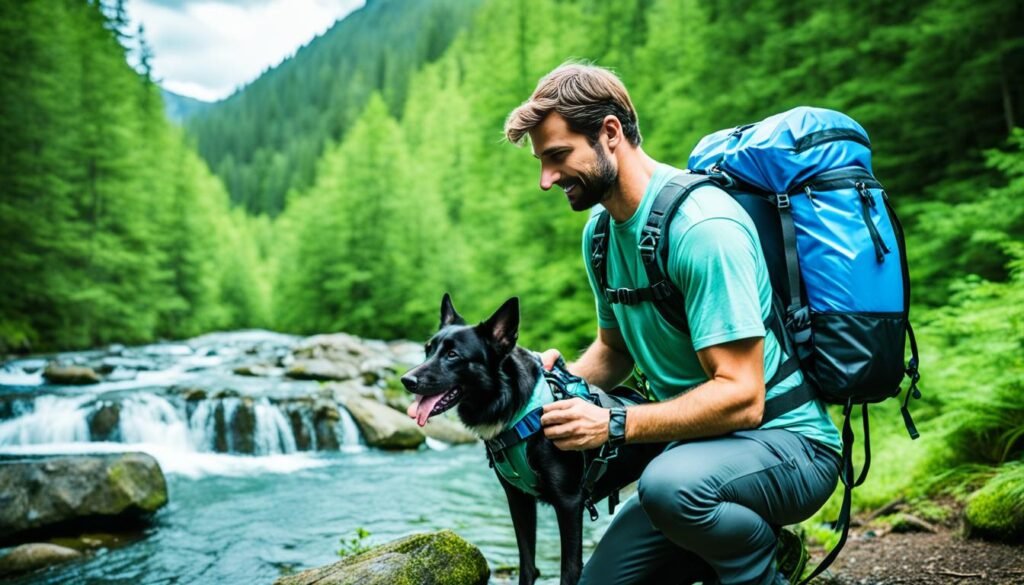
265	140
179	107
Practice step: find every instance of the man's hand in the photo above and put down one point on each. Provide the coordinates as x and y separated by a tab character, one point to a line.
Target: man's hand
549	357
575	424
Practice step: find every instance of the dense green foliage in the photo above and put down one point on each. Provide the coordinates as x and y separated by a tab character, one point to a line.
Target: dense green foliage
113	229
266	140
503	236
379	149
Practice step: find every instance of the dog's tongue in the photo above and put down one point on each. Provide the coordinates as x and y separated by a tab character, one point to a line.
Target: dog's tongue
420	409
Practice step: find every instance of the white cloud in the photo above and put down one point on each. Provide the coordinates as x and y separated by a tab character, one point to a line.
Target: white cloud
208	48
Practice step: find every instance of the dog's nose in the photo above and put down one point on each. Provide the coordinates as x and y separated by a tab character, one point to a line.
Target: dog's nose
409	382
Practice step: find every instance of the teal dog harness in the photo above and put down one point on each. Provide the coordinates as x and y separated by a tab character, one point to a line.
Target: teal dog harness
507	451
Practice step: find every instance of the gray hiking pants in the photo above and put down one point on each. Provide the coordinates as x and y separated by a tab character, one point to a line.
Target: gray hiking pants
710	509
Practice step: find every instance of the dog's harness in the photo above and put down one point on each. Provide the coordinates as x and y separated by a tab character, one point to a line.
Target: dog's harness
507	451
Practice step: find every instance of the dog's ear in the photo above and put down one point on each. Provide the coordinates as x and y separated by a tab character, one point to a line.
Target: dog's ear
502	328
449	316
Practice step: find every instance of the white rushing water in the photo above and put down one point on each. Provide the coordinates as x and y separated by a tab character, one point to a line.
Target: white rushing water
183	443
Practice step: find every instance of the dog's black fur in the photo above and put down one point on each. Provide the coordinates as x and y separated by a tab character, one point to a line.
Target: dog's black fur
482	371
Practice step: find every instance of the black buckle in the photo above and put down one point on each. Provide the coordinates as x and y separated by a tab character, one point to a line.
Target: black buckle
915	377
782	200
648	245
798	322
625	296
661	290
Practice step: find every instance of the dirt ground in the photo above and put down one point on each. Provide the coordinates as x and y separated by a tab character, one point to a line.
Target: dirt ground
878	557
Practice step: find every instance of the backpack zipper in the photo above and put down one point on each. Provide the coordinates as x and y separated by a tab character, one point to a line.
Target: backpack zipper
867	201
831	135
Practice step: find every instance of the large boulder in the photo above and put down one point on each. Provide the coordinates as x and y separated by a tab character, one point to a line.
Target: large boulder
55	494
60	374
29	557
439	558
383	426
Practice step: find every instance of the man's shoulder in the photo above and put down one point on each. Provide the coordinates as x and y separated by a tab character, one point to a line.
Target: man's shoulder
707	203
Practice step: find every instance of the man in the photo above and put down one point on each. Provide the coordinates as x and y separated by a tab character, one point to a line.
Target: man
715	499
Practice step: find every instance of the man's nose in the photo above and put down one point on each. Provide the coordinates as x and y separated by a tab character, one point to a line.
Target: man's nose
548	178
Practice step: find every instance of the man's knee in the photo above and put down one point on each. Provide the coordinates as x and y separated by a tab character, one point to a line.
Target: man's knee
674	499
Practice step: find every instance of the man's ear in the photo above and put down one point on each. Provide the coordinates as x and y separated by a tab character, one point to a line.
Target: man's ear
611	127
449	316
502	328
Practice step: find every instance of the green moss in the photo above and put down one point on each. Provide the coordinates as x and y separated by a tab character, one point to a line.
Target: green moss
931	511
440	558
997	509
133	478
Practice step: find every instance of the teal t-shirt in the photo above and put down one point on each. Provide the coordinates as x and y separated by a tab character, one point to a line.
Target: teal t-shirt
715	259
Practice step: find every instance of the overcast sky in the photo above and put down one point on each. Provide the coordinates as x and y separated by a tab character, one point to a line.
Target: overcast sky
207	48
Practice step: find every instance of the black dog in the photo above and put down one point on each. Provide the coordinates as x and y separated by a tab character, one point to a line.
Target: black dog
480	369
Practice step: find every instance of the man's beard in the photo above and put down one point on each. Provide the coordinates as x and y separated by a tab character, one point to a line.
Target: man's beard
594	186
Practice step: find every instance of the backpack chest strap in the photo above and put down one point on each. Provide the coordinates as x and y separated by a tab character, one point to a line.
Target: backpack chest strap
528	426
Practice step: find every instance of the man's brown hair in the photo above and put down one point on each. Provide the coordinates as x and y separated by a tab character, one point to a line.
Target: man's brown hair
581	93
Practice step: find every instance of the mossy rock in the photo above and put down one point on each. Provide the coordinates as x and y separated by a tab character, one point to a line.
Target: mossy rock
51	494
996	511
438	558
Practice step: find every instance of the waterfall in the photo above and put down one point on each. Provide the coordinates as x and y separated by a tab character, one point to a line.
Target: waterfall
347	430
250	426
273	433
147	418
53	419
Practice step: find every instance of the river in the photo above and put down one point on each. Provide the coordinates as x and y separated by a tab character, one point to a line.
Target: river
249	518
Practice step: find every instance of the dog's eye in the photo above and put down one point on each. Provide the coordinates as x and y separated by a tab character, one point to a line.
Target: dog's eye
452	354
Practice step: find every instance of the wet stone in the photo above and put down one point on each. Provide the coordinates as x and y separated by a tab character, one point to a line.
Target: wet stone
105	422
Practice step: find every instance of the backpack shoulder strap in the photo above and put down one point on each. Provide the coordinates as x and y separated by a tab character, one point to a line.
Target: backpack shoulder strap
666	297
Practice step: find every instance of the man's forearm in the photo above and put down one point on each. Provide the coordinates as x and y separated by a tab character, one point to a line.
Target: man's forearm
714	408
603	365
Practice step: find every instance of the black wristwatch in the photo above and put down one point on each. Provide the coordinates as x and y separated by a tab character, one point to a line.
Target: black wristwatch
617	427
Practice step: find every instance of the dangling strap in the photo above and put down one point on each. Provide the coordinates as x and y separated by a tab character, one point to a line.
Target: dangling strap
912	391
846	476
595	470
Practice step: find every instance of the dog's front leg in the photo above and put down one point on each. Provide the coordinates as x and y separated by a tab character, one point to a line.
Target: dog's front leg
523	508
569	511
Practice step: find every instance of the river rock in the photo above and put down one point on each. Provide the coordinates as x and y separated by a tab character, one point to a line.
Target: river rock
383	426
48	494
105	422
29	557
243	427
439	558
258	370
300	418
321	369
325	421
338	347
59	374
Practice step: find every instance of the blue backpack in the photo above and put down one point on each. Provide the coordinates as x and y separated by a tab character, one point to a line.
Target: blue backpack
835	252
